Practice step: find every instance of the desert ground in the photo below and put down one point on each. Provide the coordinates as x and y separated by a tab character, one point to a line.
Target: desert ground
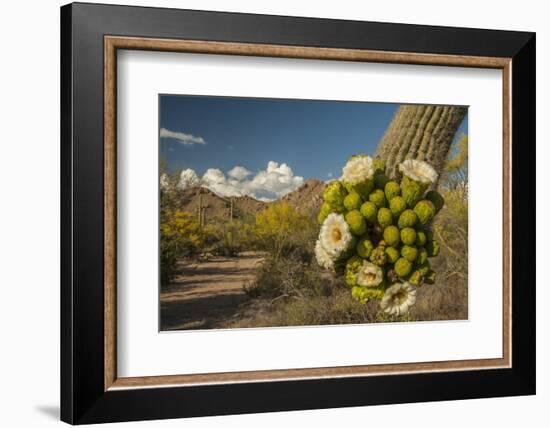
207	293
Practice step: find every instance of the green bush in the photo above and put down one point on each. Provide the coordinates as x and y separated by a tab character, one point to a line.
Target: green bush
228	239
288	277
280	229
180	236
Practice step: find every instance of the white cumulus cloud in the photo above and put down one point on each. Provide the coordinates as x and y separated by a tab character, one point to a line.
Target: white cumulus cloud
215	180
239	173
276	179
213	176
189	178
271	183
181	137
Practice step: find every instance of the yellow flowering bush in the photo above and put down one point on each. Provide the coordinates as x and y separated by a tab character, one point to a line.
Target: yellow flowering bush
180	235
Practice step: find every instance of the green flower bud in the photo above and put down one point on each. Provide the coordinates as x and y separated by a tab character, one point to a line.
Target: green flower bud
378	198
359	294
376	292
356	292
392	254
415	278
429	234
408	218
420	238
403	267
392	190
412	191
425	210
422	256
409	252
356	222
369	211
324	212
364	294
352	201
379	166
418	276
352	268
408	236
363	188
364	248
423	268
380	180
384	217
391	236
433	248
430	277
378	256
435	198
397	206
334	195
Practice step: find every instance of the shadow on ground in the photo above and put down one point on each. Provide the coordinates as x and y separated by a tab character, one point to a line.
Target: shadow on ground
207	294
202	312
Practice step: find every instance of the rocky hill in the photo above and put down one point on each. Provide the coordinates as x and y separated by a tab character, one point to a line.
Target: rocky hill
307	198
217	208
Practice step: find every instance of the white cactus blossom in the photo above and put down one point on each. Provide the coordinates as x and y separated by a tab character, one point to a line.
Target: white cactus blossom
418	170
369	275
358	170
335	236
323	258
398	299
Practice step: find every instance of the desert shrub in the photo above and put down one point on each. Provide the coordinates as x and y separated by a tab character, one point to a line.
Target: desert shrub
170	192
451	230
448	297
281	229
295	276
180	236
456	168
294	290
444	300
336	308
228	239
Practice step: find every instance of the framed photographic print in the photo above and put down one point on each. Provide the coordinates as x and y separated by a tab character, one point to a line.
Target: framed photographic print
266	213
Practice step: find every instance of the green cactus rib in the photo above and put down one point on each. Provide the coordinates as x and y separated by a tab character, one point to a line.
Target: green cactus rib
397	130
427	138
405	143
419	132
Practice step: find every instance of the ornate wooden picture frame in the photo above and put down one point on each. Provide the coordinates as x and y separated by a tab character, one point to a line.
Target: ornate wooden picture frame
91	389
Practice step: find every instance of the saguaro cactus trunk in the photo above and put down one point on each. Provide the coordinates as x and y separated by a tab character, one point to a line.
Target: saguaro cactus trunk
421	132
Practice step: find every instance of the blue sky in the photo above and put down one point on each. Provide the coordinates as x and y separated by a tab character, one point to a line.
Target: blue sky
313	138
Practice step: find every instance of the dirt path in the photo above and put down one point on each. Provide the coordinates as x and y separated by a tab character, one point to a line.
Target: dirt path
207	294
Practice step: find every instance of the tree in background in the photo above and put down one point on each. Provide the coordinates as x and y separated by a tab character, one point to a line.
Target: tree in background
280	227
180	236
422	132
457	166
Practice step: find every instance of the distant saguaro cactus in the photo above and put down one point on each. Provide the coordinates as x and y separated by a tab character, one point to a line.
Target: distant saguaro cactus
422	132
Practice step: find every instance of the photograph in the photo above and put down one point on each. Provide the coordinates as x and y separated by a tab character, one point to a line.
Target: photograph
239	214
295	212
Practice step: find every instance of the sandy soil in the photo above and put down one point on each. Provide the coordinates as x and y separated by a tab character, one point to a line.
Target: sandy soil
207	294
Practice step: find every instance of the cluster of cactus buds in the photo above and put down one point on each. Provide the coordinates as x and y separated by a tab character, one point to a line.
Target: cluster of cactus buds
377	232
